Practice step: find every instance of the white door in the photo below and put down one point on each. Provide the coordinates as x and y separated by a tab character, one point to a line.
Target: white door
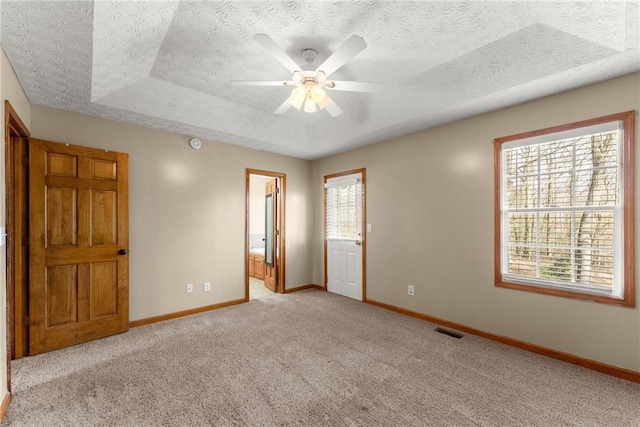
343	234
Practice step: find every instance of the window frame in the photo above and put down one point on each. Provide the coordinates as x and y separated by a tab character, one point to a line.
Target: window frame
627	191
352	180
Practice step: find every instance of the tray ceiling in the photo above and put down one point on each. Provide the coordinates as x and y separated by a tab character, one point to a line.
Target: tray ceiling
167	65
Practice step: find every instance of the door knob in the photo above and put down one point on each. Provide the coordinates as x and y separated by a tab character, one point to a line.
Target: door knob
122	252
358	242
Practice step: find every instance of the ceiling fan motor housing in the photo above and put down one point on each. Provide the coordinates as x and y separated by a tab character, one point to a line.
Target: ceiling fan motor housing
309	56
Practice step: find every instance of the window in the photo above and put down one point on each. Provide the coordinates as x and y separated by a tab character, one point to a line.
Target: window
564	210
343	204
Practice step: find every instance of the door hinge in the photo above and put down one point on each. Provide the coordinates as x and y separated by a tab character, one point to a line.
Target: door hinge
277	232
25	241
278	190
25	162
26	321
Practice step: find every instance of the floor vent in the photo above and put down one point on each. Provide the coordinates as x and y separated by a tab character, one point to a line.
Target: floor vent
450	333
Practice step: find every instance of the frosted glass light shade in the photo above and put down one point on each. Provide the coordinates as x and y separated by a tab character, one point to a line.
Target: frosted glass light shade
317	94
297	97
309	106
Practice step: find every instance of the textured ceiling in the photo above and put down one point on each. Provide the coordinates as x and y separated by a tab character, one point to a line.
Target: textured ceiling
167	65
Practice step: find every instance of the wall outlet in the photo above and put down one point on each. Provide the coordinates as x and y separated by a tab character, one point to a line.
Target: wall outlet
206	286
189	288
411	290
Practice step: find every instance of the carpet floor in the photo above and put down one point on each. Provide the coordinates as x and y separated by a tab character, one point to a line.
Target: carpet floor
309	358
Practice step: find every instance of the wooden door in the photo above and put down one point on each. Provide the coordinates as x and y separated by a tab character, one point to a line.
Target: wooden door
271	235
79	267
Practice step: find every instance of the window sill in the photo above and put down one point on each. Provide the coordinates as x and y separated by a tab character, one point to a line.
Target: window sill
625	302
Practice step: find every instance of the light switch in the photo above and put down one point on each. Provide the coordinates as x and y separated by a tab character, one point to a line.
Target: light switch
368	228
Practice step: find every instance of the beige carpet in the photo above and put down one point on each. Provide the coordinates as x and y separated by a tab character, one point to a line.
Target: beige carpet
309	358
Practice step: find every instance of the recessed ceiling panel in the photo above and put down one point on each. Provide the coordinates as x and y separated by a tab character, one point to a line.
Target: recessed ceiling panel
167	64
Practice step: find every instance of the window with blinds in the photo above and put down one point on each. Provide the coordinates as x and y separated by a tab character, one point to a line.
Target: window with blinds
342	207
561	209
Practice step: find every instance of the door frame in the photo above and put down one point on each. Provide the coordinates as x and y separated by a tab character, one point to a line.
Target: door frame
281	246
363	172
14	127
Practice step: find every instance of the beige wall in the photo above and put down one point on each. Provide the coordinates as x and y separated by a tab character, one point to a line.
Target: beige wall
430	202
11	90
187	210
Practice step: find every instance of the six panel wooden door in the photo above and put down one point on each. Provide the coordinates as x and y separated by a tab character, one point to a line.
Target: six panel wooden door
79	285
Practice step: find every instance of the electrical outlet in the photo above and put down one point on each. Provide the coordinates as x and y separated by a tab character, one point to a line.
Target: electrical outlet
411	290
207	286
189	288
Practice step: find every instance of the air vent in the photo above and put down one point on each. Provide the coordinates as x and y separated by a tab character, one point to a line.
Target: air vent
457	335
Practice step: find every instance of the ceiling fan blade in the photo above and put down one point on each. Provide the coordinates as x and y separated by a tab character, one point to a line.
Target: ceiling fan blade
283	107
272	47
261	83
353	46
356	86
333	109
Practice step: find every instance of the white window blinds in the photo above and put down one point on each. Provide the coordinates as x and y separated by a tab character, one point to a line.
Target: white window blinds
343	203
561	210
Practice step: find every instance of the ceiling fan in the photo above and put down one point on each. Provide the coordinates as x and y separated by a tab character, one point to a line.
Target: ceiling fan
309	84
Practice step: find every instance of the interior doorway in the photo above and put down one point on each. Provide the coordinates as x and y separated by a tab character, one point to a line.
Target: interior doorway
265	233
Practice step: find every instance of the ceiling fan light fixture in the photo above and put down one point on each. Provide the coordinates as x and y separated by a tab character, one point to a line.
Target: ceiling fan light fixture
298	96
318	95
309	106
310	84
